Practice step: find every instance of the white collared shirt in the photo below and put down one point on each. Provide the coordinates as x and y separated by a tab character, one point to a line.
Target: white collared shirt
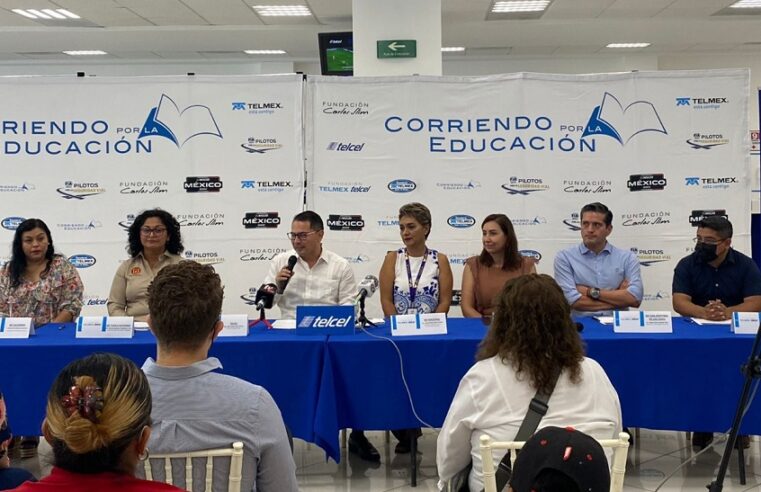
329	282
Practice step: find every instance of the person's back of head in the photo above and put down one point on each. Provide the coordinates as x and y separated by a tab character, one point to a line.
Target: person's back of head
97	409
560	460
185	303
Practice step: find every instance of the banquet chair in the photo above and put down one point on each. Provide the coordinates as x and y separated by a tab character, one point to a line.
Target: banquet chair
617	470
234	452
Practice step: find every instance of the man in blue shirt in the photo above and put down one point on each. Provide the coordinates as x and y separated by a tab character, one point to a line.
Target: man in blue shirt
596	277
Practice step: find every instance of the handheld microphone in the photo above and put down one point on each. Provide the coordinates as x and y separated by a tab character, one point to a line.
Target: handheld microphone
367	288
265	296
291	263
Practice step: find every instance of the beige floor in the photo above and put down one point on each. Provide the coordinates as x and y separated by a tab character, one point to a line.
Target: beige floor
655	455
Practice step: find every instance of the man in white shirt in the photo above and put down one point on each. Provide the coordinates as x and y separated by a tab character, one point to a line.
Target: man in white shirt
319	277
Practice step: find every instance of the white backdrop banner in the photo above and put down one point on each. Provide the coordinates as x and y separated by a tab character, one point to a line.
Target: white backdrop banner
661	149
224	155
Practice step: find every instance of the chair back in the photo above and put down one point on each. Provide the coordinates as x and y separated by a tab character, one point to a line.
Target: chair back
234	452
617	470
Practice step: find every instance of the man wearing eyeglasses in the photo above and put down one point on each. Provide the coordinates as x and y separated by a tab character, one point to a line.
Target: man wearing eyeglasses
596	277
319	277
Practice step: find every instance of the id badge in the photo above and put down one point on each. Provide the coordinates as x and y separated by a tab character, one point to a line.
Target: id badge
412	310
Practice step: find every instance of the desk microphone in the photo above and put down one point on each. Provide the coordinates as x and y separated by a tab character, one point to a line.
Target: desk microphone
291	263
265	296
367	288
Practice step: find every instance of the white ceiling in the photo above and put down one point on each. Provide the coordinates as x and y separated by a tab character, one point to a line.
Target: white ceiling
222	29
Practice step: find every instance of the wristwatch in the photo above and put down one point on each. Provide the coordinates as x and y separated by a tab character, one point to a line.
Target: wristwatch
594	293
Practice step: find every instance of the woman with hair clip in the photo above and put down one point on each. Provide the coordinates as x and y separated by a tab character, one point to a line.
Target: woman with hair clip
153	242
531	340
98	421
500	260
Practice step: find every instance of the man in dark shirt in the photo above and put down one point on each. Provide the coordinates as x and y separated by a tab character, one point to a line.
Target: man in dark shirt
713	282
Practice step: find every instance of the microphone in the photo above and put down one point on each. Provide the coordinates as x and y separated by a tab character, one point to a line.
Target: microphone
291	263
367	288
265	296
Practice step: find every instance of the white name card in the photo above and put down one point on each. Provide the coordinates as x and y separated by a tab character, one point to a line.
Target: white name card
642	322
16	327
105	327
745	323
410	325
236	325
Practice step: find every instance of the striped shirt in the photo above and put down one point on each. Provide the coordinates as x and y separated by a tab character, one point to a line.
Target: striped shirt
195	409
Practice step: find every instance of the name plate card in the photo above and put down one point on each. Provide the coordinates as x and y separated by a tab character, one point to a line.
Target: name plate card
745	323
642	322
236	325
105	327
16	327
410	325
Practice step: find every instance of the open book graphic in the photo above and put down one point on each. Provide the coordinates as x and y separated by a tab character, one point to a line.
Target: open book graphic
611	118
166	120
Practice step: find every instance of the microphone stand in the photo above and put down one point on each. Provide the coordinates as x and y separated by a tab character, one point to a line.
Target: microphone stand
262	319
751	370
362	319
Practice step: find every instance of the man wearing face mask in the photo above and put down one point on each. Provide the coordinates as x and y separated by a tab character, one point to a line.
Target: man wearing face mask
715	280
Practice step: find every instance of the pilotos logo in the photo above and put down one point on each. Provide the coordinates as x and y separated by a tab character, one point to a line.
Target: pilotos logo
12	223
7	188
80	226
204	257
73	190
197	184
712	183
587	186
360	258
208	219
346	147
265	186
697	215
701	102
633	219
461	221
259	254
573	222
143	187
125	224
529	221
323	322
257	108
187	123
530	253
524	186
261	220
340	187
260	145
345	222
346	108
706	141
649	257
402	185
470	185
644	182
82	261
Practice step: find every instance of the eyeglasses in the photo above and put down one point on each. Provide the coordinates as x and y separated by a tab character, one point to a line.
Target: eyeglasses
147	231
299	235
710	242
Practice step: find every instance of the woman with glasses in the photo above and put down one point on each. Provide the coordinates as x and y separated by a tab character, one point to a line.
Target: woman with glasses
153	242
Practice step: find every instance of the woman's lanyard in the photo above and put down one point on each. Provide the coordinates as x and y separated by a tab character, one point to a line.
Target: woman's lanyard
413	287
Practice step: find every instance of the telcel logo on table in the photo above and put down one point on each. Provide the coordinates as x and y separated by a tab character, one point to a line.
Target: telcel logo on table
327	320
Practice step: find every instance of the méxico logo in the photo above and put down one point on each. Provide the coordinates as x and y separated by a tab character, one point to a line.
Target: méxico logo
621	123
167	120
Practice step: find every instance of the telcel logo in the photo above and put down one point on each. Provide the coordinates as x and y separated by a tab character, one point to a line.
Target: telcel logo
323	322
82	261
461	221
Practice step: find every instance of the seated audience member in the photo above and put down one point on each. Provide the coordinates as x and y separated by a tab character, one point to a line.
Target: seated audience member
596	277
714	282
40	284
195	407
153	242
531	338
560	460
9	477
319	277
484	276
98	422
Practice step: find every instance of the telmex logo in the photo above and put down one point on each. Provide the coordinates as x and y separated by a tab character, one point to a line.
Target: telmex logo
461	221
323	322
12	223
82	261
402	185
345	222
195	184
530	253
259	220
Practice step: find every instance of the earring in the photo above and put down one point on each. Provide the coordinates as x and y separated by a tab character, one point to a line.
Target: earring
144	455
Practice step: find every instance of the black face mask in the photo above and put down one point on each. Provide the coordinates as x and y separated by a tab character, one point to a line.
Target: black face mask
706	252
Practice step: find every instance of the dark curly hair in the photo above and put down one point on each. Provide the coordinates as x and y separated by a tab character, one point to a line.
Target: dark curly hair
532	330
173	245
17	263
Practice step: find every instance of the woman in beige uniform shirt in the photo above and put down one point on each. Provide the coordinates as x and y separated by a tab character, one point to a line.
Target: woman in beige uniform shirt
154	241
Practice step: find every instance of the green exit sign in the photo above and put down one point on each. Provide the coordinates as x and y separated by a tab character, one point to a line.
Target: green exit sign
397	48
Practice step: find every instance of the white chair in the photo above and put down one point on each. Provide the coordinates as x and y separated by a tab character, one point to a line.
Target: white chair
617	470
234	452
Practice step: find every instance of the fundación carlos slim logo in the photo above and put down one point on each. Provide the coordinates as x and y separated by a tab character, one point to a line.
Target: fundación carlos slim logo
167	120
614	120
